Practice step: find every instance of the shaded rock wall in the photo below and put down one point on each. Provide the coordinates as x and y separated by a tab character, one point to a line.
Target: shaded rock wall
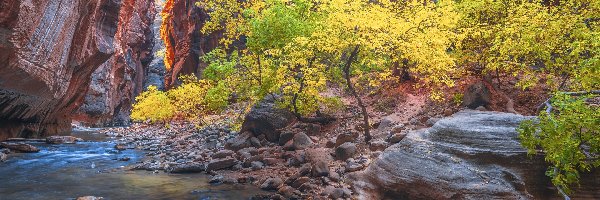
470	155
184	42
48	51
116	82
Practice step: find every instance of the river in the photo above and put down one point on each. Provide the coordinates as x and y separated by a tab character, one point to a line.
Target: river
93	168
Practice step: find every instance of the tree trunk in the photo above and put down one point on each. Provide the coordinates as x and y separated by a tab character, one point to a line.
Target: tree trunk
350	85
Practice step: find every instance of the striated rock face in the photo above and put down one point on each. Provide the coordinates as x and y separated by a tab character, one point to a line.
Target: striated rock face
184	42
116	82
48	50
470	155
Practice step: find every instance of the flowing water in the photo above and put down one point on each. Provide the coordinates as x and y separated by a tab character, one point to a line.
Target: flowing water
92	168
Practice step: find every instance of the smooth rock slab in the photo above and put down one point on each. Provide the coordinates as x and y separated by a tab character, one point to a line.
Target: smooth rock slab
470	155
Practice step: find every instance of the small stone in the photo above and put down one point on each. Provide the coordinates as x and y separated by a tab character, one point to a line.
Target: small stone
3	157
288	192
301	141
305	169
397	129
397	137
378	146
343	138
345	151
289	146
481	108
120	147
89	198
448	112
300	181
223	154
352	167
271	184
270	161
216	179
285	137
124	159
256	165
330	144
255	142
333	193
307	187
241	141
334	176
320	168
217	164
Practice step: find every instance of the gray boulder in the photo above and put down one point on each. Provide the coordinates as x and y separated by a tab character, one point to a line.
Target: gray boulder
217	164
301	141
476	95
240	141
267	119
470	155
187	168
345	151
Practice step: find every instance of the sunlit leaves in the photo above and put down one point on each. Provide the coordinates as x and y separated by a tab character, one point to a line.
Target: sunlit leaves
568	136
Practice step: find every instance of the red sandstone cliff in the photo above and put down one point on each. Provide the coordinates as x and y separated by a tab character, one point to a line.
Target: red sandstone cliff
58	55
184	42
116	82
48	50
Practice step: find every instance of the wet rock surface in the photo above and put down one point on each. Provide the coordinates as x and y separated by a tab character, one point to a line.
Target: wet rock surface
470	155
61	140
20	147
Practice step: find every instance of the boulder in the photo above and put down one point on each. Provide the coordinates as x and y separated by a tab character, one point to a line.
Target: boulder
223	154
217	164
285	137
20	147
241	141
271	184
476	95
470	155
301	141
188	168
61	140
345	151
267	119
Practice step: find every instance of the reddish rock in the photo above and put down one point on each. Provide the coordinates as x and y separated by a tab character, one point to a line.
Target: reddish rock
49	51
116	83
184	42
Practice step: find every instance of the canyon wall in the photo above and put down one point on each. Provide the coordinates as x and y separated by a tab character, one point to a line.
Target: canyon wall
48	51
116	83
184	42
